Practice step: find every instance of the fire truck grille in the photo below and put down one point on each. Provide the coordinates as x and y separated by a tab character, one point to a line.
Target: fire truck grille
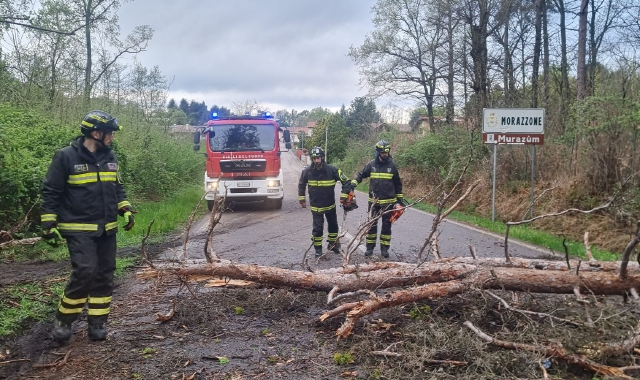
243	166
248	190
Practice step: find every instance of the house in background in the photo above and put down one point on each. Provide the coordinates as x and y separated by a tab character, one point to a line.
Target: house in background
307	129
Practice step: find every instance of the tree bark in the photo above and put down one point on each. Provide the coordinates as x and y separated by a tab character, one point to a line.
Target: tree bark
541	276
582	51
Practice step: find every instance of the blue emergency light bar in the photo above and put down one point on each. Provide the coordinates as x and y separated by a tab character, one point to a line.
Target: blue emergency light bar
261	116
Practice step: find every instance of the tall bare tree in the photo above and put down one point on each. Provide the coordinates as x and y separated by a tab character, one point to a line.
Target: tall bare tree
402	55
581	86
100	17
540	8
478	16
605	17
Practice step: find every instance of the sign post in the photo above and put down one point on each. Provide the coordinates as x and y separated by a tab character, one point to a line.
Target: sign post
513	126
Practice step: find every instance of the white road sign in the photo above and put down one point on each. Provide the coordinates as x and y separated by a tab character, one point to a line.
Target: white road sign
513	120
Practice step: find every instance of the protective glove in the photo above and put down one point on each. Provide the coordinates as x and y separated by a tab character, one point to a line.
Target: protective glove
402	202
128	220
52	237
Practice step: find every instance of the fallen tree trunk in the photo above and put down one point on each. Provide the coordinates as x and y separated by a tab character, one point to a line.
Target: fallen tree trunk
388	284
534	275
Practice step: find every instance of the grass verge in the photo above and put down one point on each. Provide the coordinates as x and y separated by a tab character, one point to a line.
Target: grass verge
527	234
523	233
169	215
36	301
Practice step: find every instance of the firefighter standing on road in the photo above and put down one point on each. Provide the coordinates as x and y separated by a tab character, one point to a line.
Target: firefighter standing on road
82	197
385	191
321	179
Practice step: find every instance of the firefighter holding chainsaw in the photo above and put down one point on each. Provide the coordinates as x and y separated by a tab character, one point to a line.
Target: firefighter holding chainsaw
321	179
385	194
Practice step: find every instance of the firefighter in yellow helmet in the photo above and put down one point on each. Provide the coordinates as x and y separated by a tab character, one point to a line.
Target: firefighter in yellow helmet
385	191
82	198
321	179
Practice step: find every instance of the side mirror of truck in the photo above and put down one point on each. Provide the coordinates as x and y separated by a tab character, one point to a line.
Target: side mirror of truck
196	147
287	137
196	137
287	145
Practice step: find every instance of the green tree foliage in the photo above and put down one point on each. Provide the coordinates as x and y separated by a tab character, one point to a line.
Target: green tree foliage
157	164
358	153
184	106
177	117
361	114
300	118
286	118
303	140
198	113
438	157
416	116
318	113
337	137
27	143
221	111
153	163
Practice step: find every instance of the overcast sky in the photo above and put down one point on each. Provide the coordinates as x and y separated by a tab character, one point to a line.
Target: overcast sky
285	54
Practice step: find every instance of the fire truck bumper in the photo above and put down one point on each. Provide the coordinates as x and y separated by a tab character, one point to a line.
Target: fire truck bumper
245	190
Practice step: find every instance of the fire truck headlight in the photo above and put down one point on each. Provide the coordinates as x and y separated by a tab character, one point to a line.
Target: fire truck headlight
212	185
273	183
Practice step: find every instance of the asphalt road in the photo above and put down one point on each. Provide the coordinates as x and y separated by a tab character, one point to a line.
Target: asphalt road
249	233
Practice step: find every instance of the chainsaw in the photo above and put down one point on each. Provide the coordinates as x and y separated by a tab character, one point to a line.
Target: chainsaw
397	212
349	203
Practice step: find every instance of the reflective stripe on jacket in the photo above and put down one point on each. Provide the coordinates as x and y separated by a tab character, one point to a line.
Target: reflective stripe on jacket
82	191
321	184
385	185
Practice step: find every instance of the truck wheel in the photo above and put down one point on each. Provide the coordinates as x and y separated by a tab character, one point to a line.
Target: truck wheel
210	204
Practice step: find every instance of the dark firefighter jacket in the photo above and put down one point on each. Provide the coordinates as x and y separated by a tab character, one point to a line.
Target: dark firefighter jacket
385	186
82	192
321	184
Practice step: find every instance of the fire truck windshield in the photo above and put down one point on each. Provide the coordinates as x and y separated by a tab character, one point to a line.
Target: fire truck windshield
242	137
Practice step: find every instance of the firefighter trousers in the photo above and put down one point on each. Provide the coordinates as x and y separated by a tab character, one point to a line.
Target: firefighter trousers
385	231
318	226
93	262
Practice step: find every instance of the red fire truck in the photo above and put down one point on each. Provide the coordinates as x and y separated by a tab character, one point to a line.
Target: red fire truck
243	159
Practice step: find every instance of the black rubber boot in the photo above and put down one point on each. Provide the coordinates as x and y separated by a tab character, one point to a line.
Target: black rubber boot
318	251
334	247
61	331
384	251
97	332
369	250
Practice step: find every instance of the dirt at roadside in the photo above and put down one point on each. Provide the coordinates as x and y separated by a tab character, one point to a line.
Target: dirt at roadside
262	333
257	332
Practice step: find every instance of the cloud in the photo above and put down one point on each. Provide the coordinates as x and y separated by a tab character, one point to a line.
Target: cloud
289	53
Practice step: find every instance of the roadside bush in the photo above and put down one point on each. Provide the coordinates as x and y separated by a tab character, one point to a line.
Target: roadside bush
358	153
153	163
435	155
27	145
